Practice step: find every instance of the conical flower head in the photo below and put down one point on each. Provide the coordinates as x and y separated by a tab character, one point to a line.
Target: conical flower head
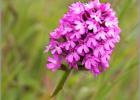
86	35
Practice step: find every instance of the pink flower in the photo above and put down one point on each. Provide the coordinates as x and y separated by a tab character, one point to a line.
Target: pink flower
83	48
86	35
77	8
56	50
91	42
75	36
69	44
80	27
92	25
100	36
54	63
73	57
96	16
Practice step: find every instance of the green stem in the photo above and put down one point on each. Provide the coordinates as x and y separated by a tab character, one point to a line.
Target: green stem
61	83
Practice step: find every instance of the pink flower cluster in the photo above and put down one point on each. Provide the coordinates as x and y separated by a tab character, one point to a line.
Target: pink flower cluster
86	36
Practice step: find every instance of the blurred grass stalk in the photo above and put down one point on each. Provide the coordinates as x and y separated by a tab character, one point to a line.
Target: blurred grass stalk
139	48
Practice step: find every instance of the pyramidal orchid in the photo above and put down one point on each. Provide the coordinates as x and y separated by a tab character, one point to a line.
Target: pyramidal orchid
86	35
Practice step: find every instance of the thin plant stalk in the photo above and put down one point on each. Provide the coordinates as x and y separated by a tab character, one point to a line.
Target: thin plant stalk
61	83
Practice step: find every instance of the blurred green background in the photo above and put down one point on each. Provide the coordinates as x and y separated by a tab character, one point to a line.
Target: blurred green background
26	25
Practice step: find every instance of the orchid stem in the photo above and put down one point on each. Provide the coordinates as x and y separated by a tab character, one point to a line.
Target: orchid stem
61	83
